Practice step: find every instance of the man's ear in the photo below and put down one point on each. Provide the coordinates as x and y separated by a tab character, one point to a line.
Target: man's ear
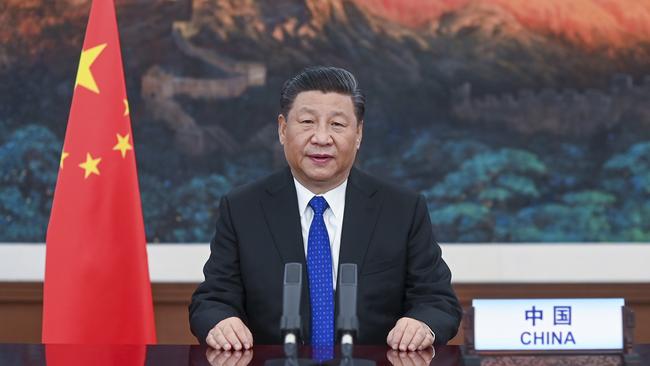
282	128
359	133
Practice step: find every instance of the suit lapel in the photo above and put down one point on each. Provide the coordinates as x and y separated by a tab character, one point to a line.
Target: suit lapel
280	206
362	207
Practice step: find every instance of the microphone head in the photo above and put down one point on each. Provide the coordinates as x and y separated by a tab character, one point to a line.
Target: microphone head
293	273
348	274
347	321
290	321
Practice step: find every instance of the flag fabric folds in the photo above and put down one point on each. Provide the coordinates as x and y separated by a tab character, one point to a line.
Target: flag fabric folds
97	288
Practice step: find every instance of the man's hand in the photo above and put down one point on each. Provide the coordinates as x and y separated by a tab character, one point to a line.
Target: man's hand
410	334
230	333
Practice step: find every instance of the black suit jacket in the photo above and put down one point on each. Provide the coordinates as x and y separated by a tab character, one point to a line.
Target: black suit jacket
386	232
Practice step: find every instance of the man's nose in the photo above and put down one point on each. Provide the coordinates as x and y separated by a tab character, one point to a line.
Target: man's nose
322	135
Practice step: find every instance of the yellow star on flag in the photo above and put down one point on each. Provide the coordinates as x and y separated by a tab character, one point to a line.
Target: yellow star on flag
90	165
63	156
123	144
84	76
126	107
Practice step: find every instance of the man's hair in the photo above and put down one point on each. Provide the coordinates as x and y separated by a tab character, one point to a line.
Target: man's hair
325	79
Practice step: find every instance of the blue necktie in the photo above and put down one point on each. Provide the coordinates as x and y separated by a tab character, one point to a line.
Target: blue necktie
319	270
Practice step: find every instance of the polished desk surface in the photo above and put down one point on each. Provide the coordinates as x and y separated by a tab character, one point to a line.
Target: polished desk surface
77	355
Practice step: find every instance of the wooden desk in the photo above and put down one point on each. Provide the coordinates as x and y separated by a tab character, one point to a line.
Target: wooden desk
176	355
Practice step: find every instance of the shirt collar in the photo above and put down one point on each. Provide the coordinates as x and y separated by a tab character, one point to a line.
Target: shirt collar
335	198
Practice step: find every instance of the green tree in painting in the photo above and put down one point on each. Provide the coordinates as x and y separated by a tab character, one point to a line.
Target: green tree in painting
185	214
628	176
629	172
195	207
475	199
156	206
577	217
29	159
633	221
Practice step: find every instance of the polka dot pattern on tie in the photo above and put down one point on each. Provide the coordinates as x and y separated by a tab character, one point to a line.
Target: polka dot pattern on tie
319	271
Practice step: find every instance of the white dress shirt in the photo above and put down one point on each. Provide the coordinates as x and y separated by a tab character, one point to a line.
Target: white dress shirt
333	217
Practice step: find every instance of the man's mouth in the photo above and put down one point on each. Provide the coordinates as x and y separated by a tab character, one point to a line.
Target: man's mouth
320	158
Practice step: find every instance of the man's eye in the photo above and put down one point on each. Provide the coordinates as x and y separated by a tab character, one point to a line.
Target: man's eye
337	124
306	121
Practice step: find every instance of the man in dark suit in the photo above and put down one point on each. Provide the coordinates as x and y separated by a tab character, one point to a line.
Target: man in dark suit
321	211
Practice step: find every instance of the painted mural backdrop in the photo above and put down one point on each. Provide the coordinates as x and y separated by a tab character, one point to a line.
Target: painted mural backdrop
520	121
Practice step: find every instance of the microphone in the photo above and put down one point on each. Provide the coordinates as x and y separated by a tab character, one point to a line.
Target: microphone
290	321
347	323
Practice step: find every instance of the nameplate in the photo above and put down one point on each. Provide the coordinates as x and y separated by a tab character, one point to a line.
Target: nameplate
548	324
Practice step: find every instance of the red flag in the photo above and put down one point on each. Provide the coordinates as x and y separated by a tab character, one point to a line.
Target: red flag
97	288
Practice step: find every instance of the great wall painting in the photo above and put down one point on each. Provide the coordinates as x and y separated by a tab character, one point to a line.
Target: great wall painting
518	121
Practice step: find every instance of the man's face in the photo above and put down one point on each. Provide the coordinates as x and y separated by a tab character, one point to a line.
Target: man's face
320	136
